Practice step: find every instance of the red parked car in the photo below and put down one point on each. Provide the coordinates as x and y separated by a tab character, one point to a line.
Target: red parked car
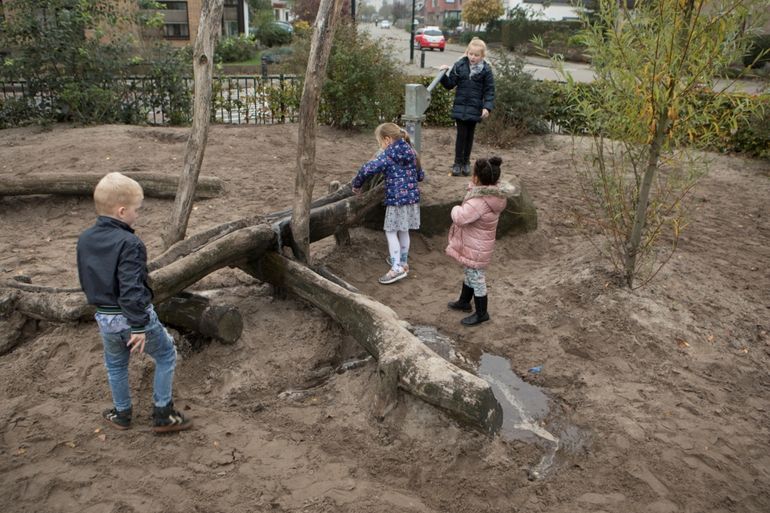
429	37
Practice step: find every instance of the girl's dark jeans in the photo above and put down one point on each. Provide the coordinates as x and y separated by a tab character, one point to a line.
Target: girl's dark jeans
464	142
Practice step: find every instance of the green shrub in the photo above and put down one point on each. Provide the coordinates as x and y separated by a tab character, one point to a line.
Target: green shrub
271	34
364	85
235	49
439	112
749	135
521	104
168	85
19	112
759	52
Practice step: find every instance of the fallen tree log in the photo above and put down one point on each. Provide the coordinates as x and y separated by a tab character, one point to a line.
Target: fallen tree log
82	184
192	312
519	216
224	247
201	315
403	360
361	204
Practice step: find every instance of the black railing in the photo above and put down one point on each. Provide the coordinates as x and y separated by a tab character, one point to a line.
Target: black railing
247	99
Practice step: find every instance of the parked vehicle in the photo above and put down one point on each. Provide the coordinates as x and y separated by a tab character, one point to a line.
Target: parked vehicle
385	24
429	37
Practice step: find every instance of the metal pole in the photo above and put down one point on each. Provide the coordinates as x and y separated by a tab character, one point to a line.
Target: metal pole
411	39
353	10
422	58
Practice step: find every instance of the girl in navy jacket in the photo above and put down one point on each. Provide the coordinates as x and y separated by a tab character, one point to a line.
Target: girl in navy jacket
400	165
474	99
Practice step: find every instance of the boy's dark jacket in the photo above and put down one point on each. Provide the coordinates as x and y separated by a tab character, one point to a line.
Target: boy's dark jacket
473	94
112	267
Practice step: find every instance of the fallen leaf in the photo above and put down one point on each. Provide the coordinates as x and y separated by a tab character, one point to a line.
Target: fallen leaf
70	444
710	338
216	444
20	451
682	343
102	437
98	430
744	350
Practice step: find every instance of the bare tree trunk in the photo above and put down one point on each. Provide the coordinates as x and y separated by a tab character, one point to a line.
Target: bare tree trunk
640	217
403	360
320	47
82	184
203	65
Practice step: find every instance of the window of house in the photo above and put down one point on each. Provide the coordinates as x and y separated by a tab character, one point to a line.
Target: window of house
177	25
230	18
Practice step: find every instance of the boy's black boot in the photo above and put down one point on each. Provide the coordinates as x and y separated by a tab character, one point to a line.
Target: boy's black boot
118	419
480	315
166	419
457	169
464	303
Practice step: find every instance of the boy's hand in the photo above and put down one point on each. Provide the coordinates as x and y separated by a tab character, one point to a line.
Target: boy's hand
356	190
484	113
136	342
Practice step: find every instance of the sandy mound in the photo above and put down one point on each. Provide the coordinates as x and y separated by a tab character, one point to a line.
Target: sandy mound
647	423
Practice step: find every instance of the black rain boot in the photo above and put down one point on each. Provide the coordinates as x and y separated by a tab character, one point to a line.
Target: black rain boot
457	169
464	303
480	315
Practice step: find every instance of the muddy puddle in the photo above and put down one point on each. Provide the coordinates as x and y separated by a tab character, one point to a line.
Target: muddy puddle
529	414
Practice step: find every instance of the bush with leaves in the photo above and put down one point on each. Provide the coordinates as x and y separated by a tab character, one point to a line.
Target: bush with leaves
521	104
235	49
758	54
364	85
70	55
645	112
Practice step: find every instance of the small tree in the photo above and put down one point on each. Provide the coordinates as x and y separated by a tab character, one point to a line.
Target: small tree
69	54
652	93
479	12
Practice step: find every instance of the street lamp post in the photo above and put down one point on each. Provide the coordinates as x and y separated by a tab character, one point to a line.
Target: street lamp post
411	38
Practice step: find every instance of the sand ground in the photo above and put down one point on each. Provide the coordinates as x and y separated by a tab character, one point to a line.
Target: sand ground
659	396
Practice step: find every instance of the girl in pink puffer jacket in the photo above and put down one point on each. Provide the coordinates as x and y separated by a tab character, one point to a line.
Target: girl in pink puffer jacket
472	236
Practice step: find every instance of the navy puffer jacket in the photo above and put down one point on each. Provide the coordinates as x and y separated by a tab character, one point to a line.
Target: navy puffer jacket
473	94
398	163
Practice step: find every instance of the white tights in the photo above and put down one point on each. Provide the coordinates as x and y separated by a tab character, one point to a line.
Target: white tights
398	248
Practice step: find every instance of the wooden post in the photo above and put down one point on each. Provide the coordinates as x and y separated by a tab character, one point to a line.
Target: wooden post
203	66
341	234
320	47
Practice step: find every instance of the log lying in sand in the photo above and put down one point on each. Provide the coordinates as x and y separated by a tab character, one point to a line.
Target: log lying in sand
154	185
192	312
201	315
519	216
187	262
403	360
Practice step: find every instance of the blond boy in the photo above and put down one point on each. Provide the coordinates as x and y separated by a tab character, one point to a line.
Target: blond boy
112	267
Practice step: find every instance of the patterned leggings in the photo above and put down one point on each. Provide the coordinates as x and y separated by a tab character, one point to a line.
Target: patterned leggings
477	280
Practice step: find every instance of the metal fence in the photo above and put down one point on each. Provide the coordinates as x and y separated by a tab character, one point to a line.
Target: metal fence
247	99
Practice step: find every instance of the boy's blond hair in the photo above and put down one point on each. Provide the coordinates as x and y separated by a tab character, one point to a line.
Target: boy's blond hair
116	190
478	43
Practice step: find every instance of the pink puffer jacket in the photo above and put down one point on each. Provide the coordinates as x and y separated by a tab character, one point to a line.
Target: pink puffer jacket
472	235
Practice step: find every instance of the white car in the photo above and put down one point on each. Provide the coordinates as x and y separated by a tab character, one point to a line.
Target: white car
385	24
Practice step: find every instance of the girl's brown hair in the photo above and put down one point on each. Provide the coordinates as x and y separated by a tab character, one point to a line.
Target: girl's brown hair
396	133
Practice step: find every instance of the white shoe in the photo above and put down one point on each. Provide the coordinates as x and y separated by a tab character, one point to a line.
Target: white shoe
392	276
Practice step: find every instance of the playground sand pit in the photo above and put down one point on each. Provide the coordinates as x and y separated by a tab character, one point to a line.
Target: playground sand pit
658	397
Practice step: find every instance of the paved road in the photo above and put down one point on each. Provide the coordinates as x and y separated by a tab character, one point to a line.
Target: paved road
540	68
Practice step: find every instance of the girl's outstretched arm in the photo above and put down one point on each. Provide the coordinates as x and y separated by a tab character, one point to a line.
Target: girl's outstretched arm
373	167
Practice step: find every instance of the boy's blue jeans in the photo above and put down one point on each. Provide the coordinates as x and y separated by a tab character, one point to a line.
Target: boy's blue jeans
115	333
